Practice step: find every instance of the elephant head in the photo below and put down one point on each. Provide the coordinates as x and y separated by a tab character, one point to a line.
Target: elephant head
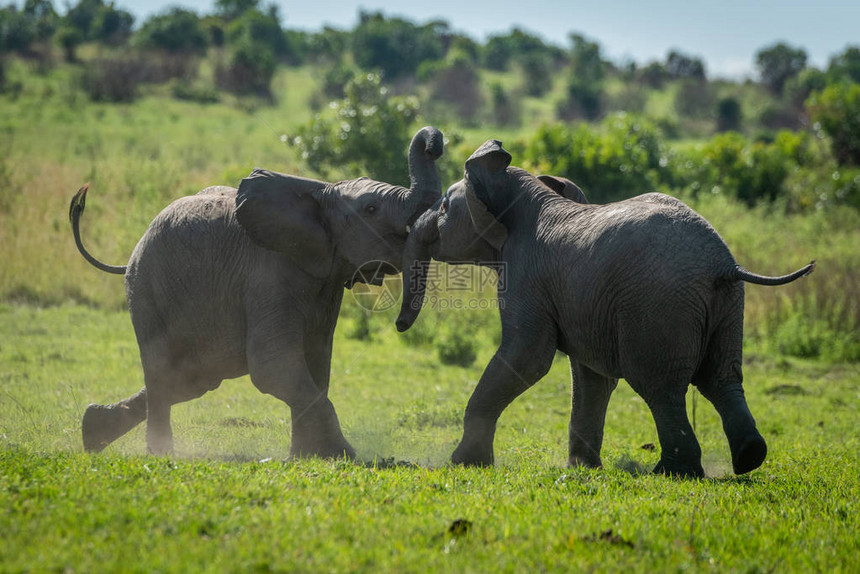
458	229
352	228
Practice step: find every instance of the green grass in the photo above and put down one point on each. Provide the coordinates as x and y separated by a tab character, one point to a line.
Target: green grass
230	501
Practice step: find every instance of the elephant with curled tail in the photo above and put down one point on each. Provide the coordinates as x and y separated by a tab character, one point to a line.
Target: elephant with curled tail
229	282
643	289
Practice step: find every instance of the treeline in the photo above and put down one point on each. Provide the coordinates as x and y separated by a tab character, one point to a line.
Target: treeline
238	48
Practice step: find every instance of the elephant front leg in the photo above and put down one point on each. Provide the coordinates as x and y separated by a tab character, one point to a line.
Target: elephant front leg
590	398
510	372
285	374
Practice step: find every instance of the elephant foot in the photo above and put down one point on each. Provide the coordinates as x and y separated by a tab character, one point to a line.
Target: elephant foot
337	449
574	461
472	455
750	455
316	433
679	469
103	424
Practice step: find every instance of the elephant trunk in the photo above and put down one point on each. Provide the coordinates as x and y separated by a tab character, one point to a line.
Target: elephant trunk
416	262
425	184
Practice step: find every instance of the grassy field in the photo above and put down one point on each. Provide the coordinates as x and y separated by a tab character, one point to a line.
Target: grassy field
230	501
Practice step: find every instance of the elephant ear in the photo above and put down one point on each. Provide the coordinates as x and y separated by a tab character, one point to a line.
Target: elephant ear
488	160
564	187
281	213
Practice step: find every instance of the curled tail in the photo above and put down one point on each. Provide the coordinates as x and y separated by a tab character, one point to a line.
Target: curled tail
76	208
741	274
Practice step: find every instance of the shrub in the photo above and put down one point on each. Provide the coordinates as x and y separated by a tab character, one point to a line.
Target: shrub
695	99
456	84
728	115
505	110
111	79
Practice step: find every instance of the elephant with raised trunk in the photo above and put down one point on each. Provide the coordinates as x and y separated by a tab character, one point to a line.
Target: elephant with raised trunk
229	282
643	289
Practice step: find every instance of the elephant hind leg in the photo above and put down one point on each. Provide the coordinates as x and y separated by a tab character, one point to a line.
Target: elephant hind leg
719	379
167	385
665	395
103	424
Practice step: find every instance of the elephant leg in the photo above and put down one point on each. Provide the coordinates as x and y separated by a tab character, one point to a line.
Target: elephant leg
513	369
278	367
719	379
590	398
167	385
318	357
680	454
159	433
103	424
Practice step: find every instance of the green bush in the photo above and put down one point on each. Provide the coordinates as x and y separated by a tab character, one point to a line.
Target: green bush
111	79
369	133
454	347
623	157
249	69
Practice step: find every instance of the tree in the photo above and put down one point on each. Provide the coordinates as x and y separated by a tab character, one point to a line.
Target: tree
95	20
177	31
681	66
232	9
652	75
846	66
501	50
111	26
585	81
779	63
69	38
43	16
394	46
836	110
16	30
258	29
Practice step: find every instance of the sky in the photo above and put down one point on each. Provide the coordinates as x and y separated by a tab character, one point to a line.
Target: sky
725	34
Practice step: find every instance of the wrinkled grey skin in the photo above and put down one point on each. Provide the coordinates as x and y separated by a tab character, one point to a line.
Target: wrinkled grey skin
643	289
228	282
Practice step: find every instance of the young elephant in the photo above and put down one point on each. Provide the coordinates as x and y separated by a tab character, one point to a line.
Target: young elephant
228	282
643	289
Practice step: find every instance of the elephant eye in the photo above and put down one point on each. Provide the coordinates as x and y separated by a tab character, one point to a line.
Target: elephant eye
370	209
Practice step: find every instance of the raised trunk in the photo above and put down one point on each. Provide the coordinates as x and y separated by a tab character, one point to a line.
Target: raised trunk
416	261
425	185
